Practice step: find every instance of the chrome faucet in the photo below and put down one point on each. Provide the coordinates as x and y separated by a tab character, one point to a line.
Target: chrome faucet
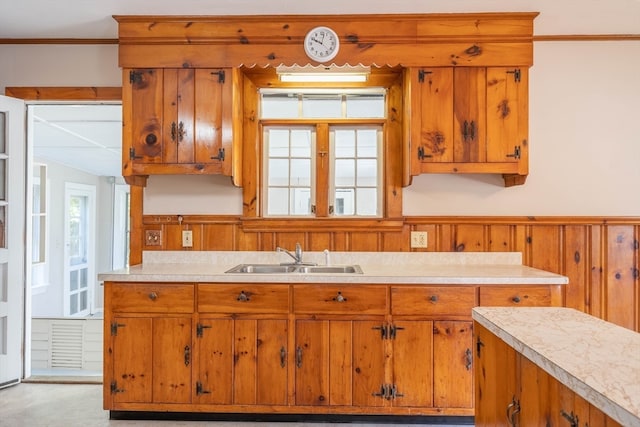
297	256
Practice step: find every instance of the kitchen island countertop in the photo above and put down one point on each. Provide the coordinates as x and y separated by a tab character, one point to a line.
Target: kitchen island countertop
596	359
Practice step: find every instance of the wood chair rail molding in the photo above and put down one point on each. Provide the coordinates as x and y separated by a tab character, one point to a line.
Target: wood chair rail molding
472	39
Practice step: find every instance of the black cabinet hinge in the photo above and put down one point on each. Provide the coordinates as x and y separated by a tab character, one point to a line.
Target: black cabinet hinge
132	154
516	152
135	77
479	345
200	390
388	392
200	329
114	328
422	74
393	331
221	75
516	74
114	388
220	155
422	155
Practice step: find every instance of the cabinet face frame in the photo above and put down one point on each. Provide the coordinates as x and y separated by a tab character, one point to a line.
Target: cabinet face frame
351	358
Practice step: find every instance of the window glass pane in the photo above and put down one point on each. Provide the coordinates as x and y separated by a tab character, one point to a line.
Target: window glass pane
73	280
73	303
300	172
278	201
3	283
345	143
325	106
365	105
83	300
279	172
37	236
367	201
300	201
367	172
279	105
344	202
300	143
3	179
367	143
345	172
278	142
3	132
3	227
84	283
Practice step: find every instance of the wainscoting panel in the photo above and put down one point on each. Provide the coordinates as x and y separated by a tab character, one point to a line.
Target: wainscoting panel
600	255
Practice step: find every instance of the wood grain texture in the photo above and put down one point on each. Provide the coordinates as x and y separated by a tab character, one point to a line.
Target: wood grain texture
601	266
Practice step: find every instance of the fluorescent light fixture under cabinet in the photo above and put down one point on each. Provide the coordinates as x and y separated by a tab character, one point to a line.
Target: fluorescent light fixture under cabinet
322	74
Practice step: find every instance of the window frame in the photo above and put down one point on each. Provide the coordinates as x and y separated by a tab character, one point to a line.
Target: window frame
395	129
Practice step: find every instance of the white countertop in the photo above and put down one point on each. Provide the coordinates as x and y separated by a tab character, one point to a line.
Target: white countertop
469	268
598	360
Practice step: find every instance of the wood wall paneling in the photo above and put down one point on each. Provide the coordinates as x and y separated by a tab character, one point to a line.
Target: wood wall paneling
598	255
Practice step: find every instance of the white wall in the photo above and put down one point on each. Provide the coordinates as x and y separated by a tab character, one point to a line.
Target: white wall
49	301
584	136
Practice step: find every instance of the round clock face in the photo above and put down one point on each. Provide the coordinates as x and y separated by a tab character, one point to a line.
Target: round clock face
321	44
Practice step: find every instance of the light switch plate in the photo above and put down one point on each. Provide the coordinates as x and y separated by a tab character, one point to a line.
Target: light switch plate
187	238
418	239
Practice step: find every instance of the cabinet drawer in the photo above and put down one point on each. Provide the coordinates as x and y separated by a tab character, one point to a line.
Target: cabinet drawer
433	300
151	298
340	299
243	298
516	296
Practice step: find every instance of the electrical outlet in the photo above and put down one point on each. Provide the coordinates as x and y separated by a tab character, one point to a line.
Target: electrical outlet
418	239
187	238
153	237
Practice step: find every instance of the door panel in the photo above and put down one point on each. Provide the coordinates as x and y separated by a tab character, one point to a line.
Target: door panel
172	359
12	231
132	371
413	363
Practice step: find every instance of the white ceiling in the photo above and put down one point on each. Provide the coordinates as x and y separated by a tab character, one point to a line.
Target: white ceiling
84	137
90	137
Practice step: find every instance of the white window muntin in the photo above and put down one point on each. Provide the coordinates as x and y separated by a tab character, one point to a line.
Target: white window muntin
363	192
288	172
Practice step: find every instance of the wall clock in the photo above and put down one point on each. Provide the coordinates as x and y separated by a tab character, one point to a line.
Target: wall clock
321	44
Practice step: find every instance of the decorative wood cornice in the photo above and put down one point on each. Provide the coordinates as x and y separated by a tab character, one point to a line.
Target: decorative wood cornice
476	39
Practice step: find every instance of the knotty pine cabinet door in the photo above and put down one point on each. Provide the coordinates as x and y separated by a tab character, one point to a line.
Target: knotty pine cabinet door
496	379
469	120
152	359
412	363
452	364
339	362
177	121
242	361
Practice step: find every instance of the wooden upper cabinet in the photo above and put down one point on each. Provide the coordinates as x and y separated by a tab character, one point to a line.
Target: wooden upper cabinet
469	120
464	111
177	121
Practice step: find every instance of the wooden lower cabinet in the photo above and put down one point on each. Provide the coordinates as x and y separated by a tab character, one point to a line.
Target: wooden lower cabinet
241	361
513	391
338	363
300	348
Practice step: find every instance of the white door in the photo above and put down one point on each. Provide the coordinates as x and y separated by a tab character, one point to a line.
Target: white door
12	235
80	213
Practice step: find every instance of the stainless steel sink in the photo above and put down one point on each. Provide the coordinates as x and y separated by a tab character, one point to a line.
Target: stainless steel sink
262	269
293	268
330	269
